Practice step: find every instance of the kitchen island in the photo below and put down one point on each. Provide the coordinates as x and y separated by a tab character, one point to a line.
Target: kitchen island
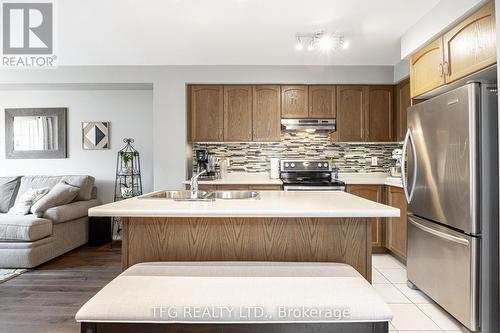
280	226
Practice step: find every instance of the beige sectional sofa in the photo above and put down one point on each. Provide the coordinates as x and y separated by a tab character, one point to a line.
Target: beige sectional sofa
27	241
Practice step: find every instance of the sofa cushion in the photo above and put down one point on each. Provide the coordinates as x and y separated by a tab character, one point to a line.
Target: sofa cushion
8	192
28	182
70	211
23	227
85	183
26	200
61	194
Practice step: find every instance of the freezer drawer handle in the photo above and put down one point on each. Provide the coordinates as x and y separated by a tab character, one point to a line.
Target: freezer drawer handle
439	233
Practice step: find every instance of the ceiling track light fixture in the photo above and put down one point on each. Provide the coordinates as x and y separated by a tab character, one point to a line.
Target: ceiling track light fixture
320	40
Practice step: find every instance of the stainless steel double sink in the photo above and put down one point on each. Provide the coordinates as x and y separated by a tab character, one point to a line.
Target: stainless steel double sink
203	195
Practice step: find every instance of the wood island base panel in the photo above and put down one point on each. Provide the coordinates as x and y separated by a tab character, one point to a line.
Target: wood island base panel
341	239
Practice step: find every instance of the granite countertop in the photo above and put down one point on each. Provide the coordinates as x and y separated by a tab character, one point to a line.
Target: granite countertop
271	204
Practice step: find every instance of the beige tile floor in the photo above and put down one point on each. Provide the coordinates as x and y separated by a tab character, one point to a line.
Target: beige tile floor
413	311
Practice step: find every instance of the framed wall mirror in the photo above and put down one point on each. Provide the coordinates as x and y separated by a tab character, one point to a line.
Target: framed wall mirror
35	133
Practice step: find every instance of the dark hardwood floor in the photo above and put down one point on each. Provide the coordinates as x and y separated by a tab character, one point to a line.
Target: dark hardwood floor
47	298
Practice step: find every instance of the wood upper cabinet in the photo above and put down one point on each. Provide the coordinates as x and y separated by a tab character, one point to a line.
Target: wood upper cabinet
471	45
426	68
465	49
266	113
294	101
237	113
396	227
350	113
322	101
207	112
379	113
373	193
403	102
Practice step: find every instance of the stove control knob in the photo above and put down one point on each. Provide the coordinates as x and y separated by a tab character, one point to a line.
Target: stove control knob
325	165
287	165
293	165
320	165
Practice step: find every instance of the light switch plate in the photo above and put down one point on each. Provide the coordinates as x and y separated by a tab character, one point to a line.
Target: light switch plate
374	160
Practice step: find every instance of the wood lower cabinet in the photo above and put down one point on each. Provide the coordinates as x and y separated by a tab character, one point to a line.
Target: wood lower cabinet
294	101
266	113
373	193
402	103
379	113
238	113
322	102
397	227
207	112
471	45
350	114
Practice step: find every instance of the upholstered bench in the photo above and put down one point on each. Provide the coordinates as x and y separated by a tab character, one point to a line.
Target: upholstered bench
234	297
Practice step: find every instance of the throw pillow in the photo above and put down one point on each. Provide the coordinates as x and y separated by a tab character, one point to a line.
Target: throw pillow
26	200
8	189
61	194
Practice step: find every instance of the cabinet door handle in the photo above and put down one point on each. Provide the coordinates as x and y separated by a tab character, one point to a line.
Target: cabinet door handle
446	68
441	70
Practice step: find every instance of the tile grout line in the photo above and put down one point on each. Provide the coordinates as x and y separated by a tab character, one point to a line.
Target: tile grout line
393	284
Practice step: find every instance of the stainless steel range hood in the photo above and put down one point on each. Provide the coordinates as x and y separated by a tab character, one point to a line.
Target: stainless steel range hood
309	125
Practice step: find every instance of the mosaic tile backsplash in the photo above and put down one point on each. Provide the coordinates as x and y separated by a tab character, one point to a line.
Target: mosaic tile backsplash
349	157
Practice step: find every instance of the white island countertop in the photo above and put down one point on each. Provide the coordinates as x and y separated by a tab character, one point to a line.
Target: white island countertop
270	204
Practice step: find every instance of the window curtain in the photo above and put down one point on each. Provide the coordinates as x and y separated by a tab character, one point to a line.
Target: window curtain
46	132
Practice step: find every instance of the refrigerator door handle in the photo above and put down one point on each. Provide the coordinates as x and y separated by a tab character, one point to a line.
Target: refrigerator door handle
440	234
408	139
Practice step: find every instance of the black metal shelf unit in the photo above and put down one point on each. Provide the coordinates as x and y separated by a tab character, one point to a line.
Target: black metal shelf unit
128	181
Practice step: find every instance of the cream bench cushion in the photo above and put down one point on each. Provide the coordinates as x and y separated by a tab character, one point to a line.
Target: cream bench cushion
173	292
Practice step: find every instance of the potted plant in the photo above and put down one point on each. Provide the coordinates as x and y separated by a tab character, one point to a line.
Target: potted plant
127	190
127	166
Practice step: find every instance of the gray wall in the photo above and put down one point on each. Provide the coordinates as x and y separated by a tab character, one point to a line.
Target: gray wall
129	111
169	95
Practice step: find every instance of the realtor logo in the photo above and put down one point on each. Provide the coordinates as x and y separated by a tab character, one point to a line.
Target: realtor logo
28	34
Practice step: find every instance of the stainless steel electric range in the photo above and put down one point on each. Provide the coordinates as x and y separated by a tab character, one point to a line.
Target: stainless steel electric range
310	175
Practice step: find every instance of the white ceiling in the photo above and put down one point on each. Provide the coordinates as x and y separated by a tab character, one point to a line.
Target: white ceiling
230	32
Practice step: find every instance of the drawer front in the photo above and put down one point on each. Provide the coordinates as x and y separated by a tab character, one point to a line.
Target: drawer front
444	264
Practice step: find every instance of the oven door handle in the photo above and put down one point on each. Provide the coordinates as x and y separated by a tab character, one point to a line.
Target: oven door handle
314	188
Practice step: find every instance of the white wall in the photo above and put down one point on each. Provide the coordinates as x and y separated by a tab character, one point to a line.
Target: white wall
130	114
401	70
169	95
442	16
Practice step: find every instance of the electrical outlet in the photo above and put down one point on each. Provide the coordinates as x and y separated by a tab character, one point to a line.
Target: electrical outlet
374	160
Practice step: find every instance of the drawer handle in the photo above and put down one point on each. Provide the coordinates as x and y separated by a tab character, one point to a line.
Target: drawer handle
439	233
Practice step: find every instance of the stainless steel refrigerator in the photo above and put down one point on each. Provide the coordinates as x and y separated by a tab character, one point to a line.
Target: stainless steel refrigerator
451	184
